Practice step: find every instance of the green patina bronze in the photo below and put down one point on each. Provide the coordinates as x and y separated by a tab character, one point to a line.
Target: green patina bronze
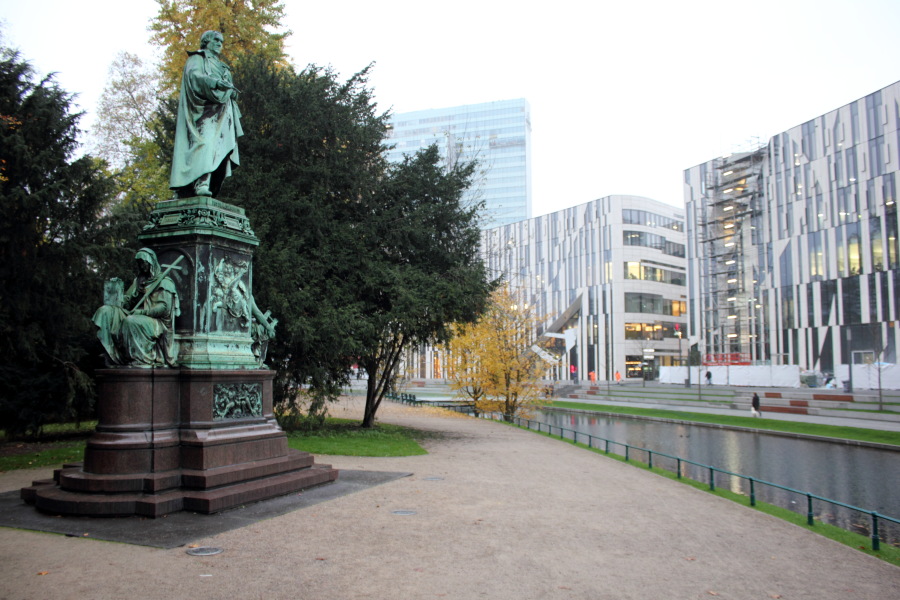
199	215
237	400
208	125
199	250
137	328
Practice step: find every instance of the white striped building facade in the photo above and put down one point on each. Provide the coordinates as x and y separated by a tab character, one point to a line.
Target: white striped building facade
793	250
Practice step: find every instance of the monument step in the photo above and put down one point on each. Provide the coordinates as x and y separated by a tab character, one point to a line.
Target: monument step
76	480
231	474
219	499
53	500
47	497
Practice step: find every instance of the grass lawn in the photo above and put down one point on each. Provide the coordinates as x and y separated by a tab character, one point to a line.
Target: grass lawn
346	438
23	455
60	443
847	433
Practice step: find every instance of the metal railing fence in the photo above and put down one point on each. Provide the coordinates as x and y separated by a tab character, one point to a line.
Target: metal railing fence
606	444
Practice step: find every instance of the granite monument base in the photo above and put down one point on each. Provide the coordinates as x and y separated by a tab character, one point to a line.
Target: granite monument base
170	440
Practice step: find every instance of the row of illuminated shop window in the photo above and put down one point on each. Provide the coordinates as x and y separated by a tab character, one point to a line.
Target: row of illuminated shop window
645	272
655	331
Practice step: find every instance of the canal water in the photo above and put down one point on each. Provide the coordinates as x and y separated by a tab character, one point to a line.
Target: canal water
867	478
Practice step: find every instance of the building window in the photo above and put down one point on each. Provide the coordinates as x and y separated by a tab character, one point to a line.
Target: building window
639	270
876	243
854	260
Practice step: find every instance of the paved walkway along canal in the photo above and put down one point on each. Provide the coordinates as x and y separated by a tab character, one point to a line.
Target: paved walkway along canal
498	513
860	475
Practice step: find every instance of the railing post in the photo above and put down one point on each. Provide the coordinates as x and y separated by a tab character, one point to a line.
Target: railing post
809	510
876	540
627	447
649	459
607	446
752	492
712	479
678	468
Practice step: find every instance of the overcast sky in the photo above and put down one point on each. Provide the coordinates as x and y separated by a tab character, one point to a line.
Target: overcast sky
624	95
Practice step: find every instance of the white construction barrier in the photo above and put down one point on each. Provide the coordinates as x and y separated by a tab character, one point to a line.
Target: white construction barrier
865	377
786	376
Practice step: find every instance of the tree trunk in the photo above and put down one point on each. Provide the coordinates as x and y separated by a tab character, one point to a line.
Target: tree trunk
371	397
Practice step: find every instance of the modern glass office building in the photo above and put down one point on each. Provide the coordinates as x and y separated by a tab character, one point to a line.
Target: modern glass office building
496	134
793	250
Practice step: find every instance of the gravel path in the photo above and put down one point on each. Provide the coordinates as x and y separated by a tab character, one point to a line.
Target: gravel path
499	513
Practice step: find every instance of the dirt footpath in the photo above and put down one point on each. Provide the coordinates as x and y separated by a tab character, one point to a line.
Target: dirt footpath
498	513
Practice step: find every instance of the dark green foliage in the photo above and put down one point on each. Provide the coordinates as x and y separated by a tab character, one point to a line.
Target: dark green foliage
421	270
357	259
310	152
51	252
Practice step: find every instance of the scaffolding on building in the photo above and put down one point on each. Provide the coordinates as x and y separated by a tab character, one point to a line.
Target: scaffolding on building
733	321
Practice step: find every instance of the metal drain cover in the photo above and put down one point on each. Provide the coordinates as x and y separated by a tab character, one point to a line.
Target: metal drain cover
403	513
204	551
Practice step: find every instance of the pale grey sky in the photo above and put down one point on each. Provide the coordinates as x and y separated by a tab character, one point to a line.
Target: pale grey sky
624	95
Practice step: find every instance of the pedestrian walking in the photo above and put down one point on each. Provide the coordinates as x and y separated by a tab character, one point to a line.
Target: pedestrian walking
708	378
754	405
618	378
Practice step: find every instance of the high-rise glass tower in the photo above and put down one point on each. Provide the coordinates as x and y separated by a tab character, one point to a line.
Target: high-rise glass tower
496	134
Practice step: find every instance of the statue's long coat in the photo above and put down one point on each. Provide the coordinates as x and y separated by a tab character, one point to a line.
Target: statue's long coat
209	122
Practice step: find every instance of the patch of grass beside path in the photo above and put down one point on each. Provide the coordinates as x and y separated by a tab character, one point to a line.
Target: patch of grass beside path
21	455
345	437
59	443
833	431
339	436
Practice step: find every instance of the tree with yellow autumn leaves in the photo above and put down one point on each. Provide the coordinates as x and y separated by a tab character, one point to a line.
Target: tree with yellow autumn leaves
492	361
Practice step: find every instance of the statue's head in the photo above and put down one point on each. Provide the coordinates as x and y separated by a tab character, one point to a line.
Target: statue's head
208	37
145	260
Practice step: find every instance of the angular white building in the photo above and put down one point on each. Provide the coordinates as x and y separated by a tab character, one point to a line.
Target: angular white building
611	270
793	249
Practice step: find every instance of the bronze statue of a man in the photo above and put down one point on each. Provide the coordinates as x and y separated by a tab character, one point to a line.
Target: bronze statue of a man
208	125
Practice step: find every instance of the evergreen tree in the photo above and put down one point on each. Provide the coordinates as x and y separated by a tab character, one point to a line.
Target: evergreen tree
420	269
358	259
53	249
310	154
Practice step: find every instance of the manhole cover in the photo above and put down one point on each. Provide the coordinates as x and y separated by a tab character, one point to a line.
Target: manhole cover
204	551
404	513
432	479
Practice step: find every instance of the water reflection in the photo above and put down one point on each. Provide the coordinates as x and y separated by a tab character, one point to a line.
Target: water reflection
862	477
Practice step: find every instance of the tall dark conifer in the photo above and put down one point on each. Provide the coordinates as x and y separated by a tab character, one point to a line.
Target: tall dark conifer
358	259
51	238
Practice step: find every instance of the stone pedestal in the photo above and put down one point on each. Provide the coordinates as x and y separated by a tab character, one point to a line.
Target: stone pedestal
201	437
175	439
